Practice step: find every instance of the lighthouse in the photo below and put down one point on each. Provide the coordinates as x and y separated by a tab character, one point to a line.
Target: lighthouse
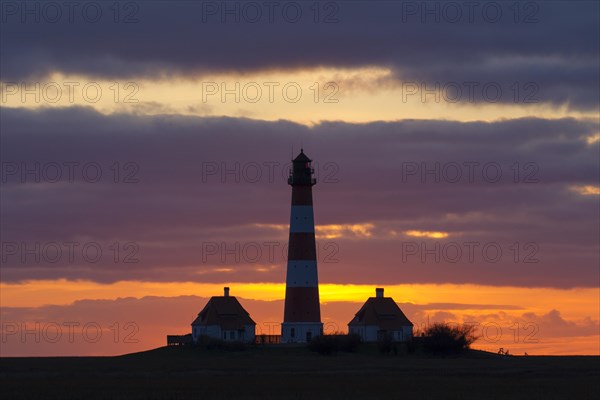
302	314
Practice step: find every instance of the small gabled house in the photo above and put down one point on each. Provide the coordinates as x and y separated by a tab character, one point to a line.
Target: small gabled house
224	318
378	317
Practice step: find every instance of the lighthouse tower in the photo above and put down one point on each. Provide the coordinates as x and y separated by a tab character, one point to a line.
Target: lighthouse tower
302	314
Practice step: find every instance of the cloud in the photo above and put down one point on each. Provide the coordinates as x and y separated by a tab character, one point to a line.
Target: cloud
553	45
587	190
529	332
125	325
460	306
427	234
187	198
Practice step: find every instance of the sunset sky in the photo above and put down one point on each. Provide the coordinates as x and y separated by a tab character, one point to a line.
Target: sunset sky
145	149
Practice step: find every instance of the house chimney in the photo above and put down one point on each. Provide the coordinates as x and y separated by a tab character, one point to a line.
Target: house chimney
379	292
226	291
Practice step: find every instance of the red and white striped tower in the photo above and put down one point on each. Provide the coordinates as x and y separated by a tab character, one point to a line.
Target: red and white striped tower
302	314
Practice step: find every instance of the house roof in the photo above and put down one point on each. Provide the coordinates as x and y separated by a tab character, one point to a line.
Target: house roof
225	311
383	312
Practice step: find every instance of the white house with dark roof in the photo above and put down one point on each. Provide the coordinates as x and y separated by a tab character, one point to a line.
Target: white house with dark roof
378	317
224	318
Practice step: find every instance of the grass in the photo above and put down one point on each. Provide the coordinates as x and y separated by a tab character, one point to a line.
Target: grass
282	372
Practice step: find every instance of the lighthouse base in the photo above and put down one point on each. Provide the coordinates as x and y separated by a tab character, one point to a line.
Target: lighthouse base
300	332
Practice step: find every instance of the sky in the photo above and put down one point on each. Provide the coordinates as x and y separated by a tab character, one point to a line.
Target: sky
145	148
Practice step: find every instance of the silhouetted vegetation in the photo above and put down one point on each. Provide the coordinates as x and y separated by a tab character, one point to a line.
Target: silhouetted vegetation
331	344
441	338
385	344
218	344
410	347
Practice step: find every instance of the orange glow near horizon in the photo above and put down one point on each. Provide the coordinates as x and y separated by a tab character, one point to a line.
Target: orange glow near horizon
579	302
501	306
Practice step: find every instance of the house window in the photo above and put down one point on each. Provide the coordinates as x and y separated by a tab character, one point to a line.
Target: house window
224	335
308	336
293	332
232	335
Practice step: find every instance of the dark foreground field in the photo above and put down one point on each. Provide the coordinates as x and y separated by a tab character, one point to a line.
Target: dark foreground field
295	373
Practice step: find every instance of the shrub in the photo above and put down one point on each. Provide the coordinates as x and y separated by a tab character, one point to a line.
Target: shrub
330	344
410	347
349	343
218	344
323	344
234	346
385	344
441	338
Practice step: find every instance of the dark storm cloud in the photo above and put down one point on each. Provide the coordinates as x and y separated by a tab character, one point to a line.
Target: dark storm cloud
187	190
553	46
